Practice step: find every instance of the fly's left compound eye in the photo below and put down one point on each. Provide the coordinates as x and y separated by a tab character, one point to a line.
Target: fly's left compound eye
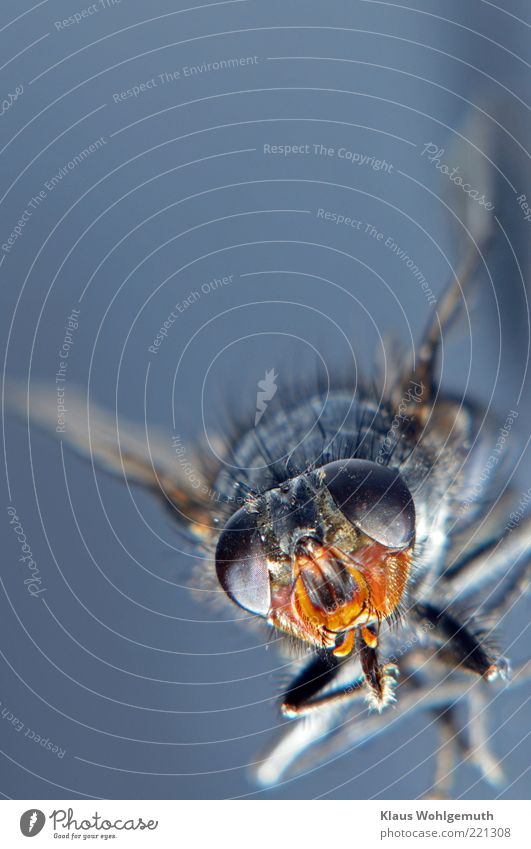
374	499
241	565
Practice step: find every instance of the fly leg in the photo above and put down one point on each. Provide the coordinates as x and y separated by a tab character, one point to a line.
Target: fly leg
318	714
468	539
380	680
462	643
451	306
452	748
478	749
498	570
456	746
326	734
305	694
375	684
133	453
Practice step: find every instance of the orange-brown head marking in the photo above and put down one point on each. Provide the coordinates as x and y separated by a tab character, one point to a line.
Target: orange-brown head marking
334	593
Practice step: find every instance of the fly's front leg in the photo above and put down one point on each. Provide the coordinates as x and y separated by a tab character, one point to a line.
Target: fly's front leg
376	683
380	680
318	714
465	644
305	695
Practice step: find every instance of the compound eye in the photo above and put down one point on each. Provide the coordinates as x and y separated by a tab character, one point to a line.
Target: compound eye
374	499
241	565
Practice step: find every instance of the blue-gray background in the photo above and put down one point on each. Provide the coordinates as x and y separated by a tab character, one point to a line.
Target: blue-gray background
150	692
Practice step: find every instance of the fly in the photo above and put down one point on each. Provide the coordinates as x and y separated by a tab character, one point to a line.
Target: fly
351	525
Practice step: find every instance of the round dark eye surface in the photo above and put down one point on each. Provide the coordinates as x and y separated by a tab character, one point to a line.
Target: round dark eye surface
241	565
373	498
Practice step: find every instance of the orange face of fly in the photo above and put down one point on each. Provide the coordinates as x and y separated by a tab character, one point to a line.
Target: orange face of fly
325	555
334	594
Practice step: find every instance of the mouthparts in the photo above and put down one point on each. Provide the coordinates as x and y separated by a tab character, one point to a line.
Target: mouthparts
336	592
330	593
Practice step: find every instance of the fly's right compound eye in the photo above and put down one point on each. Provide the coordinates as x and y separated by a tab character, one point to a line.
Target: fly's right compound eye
241	565
374	499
